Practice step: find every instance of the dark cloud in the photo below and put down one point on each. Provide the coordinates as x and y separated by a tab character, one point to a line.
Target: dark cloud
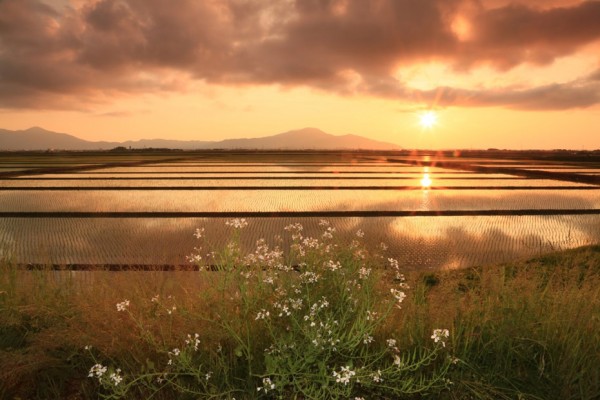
73	56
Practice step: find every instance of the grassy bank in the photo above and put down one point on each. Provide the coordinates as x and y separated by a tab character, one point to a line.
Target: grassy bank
321	320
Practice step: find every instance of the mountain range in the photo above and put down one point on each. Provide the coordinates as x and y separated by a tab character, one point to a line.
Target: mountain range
302	139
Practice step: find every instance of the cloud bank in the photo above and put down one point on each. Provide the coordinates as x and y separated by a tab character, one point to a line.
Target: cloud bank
73	56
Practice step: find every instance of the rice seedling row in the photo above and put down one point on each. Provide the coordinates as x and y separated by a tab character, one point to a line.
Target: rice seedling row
266	183
175	177
270	169
247	174
294	200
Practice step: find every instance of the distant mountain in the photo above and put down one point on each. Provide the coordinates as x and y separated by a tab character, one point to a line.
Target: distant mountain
303	139
307	138
40	139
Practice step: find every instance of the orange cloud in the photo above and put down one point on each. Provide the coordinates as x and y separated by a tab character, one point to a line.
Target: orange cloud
95	51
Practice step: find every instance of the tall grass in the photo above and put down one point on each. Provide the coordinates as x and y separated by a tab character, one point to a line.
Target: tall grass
322	319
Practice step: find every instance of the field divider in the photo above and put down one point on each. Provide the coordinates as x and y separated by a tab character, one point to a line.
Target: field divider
244	178
292	214
305	187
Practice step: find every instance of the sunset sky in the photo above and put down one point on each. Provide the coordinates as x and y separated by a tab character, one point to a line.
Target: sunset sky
509	74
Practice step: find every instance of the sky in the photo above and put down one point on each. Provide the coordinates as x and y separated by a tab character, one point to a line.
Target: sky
517	74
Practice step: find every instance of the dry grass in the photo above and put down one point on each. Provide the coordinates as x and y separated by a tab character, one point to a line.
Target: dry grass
529	329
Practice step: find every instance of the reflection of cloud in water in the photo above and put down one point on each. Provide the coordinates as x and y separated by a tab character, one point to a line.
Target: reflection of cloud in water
417	242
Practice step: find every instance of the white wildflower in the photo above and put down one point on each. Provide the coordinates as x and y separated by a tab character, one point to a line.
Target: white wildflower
295	228
97	371
116	377
237	223
368	339
309	277
360	233
439	335
194	258
311	243
391	343
267	385
377	376
262	314
193	341
328	234
398	295
199	233
371	315
398	360
364	272
344	375
332	265
122	306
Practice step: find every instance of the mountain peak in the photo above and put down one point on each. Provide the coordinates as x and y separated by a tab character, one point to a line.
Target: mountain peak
36	129
309	131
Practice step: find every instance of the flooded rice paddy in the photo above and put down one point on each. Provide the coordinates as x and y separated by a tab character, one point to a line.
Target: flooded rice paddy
143	210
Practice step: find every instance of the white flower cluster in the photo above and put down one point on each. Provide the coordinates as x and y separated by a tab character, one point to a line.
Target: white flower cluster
296	230
311	243
364	272
328	234
199	233
399	277
267	385
122	306
263	255
377	376
193	341
194	258
309	277
116	377
97	371
391	343
262	314
344	376
439	335
237	223
332	265
173	353
398	295
286	306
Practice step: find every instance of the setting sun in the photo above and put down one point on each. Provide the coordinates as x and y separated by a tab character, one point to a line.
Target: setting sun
428	119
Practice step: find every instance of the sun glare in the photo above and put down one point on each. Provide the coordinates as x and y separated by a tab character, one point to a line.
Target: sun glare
428	119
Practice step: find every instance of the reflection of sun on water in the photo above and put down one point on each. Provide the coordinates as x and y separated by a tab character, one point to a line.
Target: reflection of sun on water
426	181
